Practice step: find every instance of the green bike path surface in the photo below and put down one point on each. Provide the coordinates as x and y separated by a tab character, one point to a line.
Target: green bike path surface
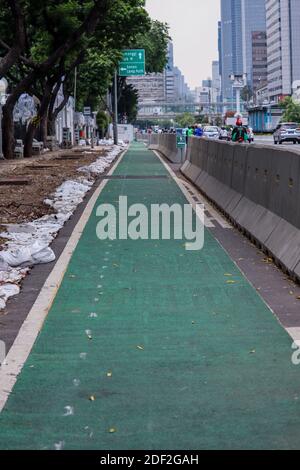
179	355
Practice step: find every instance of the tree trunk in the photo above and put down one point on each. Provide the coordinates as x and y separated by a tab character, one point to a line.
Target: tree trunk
29	139
41	118
8	132
44	127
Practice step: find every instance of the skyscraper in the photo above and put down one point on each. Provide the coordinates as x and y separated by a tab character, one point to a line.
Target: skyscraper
253	19
259	59
232	50
283	41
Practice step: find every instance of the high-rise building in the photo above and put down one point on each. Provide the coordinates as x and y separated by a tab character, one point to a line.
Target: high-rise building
283	40
231	46
216	85
253	19
259	60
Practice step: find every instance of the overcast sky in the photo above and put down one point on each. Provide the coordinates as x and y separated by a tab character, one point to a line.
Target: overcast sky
194	30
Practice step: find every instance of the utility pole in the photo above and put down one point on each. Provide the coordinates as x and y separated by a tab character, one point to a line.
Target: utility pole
115	114
1	151
3	96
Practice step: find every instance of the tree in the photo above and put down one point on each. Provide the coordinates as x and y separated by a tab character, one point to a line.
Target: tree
54	29
155	43
103	121
128	103
185	120
61	35
15	35
247	93
291	110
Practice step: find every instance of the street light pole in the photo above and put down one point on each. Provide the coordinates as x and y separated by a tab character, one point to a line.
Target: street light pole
1	151
115	114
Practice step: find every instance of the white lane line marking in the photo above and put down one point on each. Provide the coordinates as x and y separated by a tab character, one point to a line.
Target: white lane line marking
187	188
215	215
207	221
294	333
31	327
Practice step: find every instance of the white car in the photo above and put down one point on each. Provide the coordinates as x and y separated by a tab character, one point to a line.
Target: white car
212	132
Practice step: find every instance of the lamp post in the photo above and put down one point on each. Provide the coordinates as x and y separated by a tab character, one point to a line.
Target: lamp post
3	97
238	83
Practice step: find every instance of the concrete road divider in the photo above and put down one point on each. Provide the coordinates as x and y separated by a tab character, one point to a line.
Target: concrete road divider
166	144
258	187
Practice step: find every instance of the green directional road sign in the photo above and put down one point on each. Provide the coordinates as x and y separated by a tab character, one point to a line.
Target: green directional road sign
180	141
133	63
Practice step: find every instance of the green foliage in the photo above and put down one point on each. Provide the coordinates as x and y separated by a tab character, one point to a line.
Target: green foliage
291	110
247	93
103	121
185	120
155	43
128	103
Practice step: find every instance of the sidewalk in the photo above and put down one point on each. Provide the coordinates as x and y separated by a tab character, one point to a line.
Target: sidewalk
150	346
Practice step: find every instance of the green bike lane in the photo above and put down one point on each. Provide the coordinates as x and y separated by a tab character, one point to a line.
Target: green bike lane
150	346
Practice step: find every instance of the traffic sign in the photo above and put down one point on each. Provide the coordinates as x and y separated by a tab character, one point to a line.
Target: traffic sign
133	63
180	141
87	111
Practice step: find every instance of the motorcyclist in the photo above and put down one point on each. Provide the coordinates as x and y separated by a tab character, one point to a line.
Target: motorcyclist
239	133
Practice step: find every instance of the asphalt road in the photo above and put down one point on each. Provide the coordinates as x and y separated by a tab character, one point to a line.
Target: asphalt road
268	140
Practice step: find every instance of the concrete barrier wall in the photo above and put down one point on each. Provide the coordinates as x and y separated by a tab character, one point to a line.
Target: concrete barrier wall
257	187
142	138
166	144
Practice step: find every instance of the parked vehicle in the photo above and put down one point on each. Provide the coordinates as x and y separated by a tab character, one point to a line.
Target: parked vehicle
250	134
212	132
224	134
287	132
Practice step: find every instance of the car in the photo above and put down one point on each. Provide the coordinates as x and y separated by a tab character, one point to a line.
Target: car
224	134
212	132
287	132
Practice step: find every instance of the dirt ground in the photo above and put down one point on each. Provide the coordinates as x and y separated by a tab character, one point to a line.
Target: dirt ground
38	178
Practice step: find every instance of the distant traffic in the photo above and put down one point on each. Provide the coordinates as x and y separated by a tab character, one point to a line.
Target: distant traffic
286	132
